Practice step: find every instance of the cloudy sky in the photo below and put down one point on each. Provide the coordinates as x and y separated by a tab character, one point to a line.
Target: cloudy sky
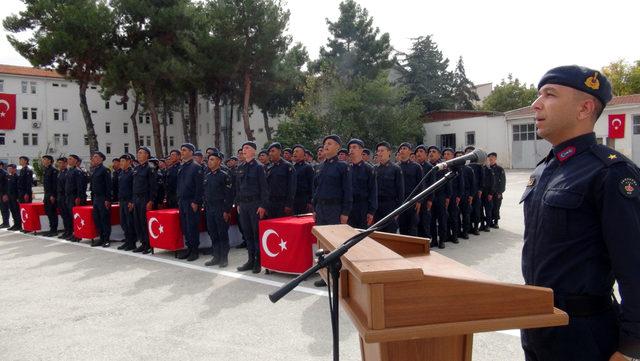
494	37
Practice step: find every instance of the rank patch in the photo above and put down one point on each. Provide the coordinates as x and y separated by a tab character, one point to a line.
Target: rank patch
629	188
532	181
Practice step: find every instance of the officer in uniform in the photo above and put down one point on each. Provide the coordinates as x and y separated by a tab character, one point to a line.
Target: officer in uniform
101	196
65	214
412	175
190	179
281	179
144	192
582	226
488	192
25	181
343	155
115	175
304	181
171	179
4	198
438	202
218	195
252	196
263	157
500	185
332	189
390	186
478	183
366	155
12	196
457	195
287	154
125	199
50	184
424	223
75	189
319	155
365	187
466	198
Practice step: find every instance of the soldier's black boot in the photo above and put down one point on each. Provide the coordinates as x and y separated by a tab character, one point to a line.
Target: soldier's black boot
257	267
212	262
441	244
247	266
194	254
223	262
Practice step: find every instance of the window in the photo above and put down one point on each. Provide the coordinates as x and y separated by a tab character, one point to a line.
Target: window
260	130
86	139
148	141
33	87
63	85
208	128
636	124
524	132
126	148
94	112
208	107
125	128
147	118
107	105
3	137
25	113
140	118
171	141
107	127
1	85
25	138
141	140
108	148
56	139
34	113
55	84
448	141
171	118
93	87
65	139
124	106
24	87
34	139
56	114
64	114
471	138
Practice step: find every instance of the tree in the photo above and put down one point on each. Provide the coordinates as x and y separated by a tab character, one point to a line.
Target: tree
356	48
463	92
624	77
72	37
510	95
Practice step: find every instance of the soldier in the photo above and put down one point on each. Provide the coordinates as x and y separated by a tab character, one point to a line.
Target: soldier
25	181
476	204
457	195
287	154
366	155
171	179
501	183
365	187
281	179
101	196
308	156
218	195
438	202
466	198
252	196
198	157
75	189
144	192
125	198
304	181
488	191
424	224
115	175
320	155
390	186
263	157
4	198
343	155
190	179
12	196
160	187
232	163
50	184
412	175
65	213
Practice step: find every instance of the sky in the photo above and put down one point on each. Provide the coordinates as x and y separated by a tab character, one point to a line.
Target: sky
495	38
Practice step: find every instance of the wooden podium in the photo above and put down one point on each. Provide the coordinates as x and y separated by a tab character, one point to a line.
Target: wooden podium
412	305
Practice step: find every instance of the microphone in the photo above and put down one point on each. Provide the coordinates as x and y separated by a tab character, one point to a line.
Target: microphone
477	156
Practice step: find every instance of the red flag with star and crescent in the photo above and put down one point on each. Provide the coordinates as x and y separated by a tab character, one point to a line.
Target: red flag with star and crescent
616	125
7	111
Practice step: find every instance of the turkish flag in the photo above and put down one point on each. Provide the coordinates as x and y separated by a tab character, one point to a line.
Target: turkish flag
286	244
7	111
164	229
616	125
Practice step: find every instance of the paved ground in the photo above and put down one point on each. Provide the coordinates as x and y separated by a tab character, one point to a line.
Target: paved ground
63	301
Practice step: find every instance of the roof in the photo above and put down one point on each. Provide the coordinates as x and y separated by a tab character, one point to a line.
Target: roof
621	100
440	115
28	71
625	99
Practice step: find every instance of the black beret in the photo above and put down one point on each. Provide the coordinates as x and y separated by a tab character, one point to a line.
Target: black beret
233	158
146	149
100	154
153	159
217	155
447	149
263	151
64	159
423	147
298	146
383	144
115	159
308	152
251	144
343	151
471	148
580	78
492	154
356	141
174	151
189	146
75	157
125	157
406	144
24	157
287	150
46	156
198	153
12	166
275	145
213	149
335	137
366	151
434	147
458	152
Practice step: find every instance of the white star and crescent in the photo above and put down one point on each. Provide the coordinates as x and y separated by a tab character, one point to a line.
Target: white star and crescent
265	244
24	215
160	228
77	215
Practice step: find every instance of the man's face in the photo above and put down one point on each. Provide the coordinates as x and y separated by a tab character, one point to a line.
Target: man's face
383	153
421	155
11	170
556	112
287	156
72	162
248	152
320	153
125	163
174	157
331	148
61	165
404	153
142	156
355	152
365	157
448	155
434	155
214	162
263	158
342	156
185	154
492	160
298	154
274	154
22	161
96	160
232	163
46	162
115	164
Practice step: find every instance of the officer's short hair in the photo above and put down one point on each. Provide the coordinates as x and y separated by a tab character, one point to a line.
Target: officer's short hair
24	157
115	160
47	156
63	159
174	151
125	157
492	154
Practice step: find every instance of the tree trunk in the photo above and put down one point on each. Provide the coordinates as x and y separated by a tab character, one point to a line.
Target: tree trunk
230	149
193	117
134	121
164	125
185	124
86	114
245	107
216	121
267	129
155	123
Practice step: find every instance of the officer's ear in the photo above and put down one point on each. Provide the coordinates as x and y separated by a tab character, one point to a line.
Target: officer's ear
589	108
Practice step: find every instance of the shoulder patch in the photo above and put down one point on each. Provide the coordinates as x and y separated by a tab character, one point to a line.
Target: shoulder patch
608	156
629	188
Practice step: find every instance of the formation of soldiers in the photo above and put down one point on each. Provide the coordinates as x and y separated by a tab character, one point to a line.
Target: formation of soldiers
340	186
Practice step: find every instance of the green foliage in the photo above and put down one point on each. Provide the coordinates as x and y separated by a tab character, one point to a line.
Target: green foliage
38	168
624	77
510	95
463	91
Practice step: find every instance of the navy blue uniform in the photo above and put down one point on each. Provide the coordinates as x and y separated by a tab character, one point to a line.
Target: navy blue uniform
101	183
281	179
582	228
252	193
465	208
12	192
488	192
190	179
390	193
476	204
500	187
25	184
412	175
75	190
65	211
115	187
332	191
365	194
158	201
218	195
304	187
144	191
457	197
4	205
424	224
125	196
50	184
171	185
439	214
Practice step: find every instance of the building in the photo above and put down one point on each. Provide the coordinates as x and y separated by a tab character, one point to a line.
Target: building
49	120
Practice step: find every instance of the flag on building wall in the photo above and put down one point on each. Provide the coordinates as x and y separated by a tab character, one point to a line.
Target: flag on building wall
7	111
616	125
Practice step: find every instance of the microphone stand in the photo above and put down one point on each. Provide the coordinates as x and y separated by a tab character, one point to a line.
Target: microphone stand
331	260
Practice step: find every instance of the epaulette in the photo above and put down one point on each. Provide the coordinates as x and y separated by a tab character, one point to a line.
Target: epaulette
608	156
